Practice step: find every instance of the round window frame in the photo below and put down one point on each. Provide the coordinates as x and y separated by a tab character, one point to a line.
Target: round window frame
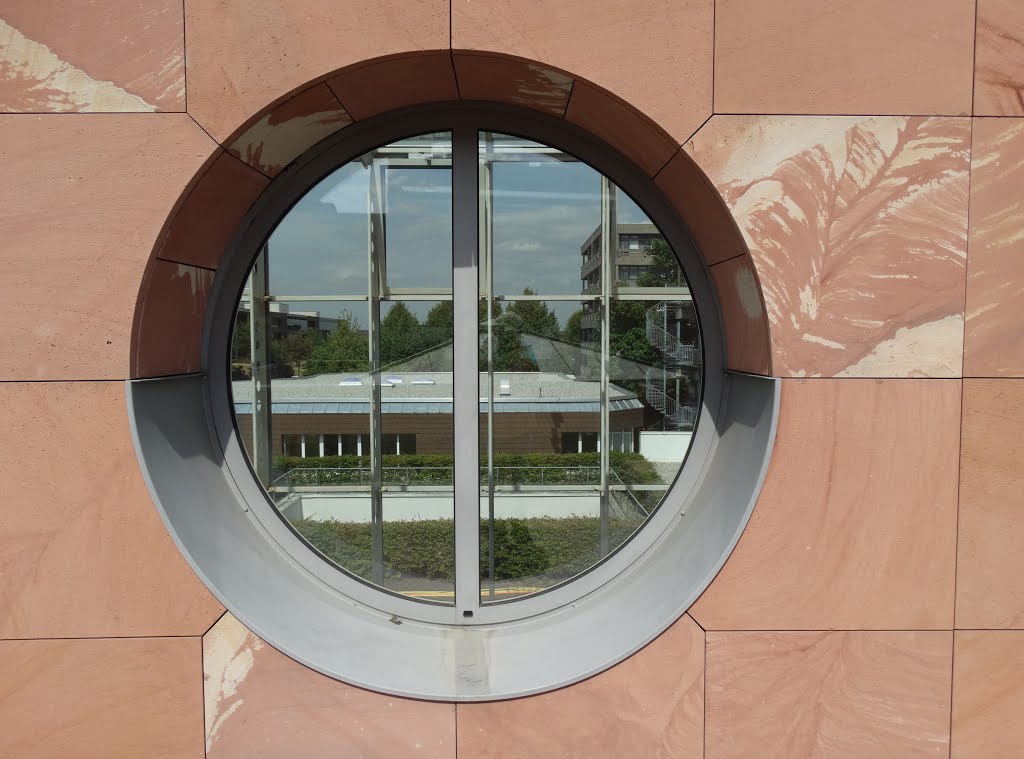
582	626
270	210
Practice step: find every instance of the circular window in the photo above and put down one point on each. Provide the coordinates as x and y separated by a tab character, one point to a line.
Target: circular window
457	357
572	382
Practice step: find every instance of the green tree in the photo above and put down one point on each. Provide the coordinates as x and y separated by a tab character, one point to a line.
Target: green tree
439	326
295	350
241	340
400	335
573	331
534	317
345	349
663	269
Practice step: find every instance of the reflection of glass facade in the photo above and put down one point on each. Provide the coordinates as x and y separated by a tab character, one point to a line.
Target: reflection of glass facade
351	358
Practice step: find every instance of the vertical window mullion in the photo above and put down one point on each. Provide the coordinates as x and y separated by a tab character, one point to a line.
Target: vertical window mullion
610	245
465	284
375	251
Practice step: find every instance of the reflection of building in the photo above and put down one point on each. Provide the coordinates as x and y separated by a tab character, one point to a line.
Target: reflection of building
284	322
535	412
631	257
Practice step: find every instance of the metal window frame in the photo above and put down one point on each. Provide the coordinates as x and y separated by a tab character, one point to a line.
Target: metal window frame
268	576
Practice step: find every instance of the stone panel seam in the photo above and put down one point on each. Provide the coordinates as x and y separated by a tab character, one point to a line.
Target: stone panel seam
974	61
202	681
184	51
704	726
102	637
714	54
455	73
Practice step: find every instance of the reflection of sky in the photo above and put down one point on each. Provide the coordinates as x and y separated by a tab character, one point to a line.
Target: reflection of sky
543	211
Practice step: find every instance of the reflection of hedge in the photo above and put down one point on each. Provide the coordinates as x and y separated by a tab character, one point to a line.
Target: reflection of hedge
435	469
542	548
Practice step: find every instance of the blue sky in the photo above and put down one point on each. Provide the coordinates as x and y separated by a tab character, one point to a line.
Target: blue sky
543	211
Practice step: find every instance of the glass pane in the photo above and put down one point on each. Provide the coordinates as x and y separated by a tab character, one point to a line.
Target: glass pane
418	444
580	437
542	207
540	473
325	299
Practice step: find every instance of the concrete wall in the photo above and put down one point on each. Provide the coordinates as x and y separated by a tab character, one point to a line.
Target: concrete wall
872	258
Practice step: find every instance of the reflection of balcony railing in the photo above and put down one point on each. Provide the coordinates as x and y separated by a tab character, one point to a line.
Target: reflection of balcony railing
590	320
589	266
677	415
676	352
594	289
434	478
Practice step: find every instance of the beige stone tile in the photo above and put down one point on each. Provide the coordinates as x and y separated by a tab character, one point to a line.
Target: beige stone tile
990	563
209	215
999	59
79	55
828	694
654	54
83	552
261	703
244	55
622	126
650	705
169	334
96	699
835	56
993	339
279	137
78	228
702	208
747	341
858	229
855	527
511	80
377	87
988	694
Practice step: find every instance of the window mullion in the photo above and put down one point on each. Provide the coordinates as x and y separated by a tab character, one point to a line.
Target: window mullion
375	250
609	247
465	284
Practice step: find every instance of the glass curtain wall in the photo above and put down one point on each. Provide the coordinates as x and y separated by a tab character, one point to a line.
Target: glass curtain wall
466	367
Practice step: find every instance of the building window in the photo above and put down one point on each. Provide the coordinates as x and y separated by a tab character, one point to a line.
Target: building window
467	430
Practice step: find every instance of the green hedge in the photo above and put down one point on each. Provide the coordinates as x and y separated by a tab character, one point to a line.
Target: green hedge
542	549
436	469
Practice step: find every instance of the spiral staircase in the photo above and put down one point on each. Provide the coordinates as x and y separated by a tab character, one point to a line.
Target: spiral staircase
680	359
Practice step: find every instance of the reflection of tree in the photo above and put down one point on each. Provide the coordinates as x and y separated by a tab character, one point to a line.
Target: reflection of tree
345	349
663	269
400	335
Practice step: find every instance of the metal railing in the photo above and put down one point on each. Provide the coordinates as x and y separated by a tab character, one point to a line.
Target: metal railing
675	350
676	414
588	477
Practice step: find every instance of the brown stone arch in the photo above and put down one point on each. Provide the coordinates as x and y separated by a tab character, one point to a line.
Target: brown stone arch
167	329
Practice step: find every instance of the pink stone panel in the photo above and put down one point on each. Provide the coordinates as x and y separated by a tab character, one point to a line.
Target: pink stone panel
277	138
396	82
990	562
747	341
208	217
988	694
842	695
999	59
78	229
245	54
621	126
510	80
858	230
83	552
172	307
702	208
97	699
657	55
993	339
261	703
651	705
836	56
79	55
855	527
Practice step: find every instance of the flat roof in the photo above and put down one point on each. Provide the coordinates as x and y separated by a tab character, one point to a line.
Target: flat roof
432	392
